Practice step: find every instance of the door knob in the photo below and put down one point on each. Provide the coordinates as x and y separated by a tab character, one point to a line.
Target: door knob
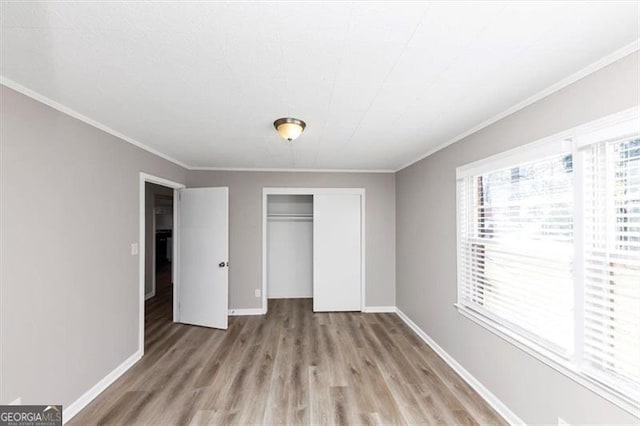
223	264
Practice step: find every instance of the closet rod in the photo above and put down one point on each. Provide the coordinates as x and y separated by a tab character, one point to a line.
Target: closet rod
290	215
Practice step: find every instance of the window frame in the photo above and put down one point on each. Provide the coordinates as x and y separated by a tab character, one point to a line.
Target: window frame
573	141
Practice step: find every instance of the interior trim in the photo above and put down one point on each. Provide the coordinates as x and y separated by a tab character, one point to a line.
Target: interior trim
552	361
75	407
98	125
589	69
378	309
485	393
245	169
242	312
75	114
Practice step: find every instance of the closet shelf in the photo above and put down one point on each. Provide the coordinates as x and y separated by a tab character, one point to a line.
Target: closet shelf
290	215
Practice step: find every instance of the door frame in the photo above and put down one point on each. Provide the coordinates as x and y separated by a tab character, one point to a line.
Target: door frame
143	179
266	191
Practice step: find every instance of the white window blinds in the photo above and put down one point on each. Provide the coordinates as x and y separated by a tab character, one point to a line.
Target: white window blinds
612	263
549	252
516	248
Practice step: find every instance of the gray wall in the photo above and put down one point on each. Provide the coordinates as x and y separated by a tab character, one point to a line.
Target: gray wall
69	284
426	252
245	227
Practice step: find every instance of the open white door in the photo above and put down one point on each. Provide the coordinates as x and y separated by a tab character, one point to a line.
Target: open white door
204	253
337	240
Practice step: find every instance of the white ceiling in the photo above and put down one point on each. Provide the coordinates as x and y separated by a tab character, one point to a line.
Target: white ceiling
378	83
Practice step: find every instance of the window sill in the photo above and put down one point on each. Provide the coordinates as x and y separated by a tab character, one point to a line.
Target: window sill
553	361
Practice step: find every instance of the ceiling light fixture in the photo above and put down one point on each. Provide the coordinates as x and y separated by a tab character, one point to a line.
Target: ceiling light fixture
289	128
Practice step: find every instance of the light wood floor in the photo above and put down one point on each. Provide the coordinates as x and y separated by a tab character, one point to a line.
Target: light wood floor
289	367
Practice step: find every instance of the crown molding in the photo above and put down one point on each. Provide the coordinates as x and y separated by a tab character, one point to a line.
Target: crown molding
98	125
247	169
75	114
589	69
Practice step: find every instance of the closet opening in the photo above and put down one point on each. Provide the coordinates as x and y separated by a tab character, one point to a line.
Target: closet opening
290	247
313	249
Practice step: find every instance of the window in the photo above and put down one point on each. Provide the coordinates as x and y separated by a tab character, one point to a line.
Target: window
549	252
611	343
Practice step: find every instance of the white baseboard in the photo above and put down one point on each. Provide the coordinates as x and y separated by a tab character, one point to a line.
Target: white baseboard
150	295
259	311
485	393
16	401
378	309
91	394
239	312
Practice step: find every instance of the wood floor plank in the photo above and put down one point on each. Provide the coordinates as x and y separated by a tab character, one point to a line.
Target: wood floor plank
260	376
278	405
342	406
291	366
320	409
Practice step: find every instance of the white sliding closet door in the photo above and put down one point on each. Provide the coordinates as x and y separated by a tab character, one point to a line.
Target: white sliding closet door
337	241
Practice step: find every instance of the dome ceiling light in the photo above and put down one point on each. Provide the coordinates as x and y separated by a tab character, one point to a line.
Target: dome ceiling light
289	128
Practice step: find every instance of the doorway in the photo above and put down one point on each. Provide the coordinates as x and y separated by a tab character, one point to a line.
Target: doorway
199	233
314	247
158	242
158	280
